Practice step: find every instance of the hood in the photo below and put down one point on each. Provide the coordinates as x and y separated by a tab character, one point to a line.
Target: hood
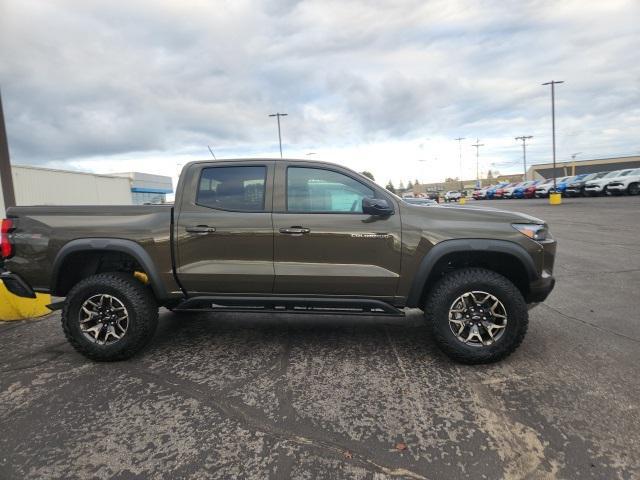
488	214
603	181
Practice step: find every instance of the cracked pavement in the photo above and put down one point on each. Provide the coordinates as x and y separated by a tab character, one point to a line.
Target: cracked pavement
303	396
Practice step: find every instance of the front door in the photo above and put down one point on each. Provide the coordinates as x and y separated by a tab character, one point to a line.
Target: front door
224	229
324	244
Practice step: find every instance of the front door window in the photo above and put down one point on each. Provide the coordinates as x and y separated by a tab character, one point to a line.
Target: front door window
313	190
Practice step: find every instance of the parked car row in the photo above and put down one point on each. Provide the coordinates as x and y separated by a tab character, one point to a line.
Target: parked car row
618	182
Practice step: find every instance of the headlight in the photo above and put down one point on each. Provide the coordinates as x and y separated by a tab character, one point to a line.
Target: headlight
534	231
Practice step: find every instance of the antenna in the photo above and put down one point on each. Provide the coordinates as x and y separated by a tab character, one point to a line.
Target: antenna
212	154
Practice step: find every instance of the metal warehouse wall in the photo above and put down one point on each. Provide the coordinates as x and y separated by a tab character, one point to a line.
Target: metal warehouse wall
42	186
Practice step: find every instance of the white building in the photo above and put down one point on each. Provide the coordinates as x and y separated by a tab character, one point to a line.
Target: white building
46	186
147	188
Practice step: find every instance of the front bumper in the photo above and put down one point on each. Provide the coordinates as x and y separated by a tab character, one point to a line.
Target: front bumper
540	289
593	188
616	187
16	285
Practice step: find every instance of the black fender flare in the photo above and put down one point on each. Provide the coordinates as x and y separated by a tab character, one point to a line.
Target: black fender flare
462	245
109	245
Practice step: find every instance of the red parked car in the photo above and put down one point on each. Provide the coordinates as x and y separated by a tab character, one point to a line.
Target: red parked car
500	191
530	191
480	193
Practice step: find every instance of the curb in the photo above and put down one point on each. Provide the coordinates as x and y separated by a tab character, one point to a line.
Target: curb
13	307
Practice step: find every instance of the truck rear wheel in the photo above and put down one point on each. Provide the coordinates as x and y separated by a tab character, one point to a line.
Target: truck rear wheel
109	316
478	315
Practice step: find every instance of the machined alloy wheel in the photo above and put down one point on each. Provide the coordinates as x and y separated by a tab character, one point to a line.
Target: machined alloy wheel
109	316
468	310
477	318
103	319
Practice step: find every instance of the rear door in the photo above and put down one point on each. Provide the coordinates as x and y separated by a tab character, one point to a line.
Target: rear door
224	232
324	244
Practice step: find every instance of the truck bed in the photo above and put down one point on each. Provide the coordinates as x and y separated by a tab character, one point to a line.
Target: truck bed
41	232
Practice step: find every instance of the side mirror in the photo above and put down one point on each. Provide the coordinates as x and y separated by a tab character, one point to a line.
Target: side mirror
376	206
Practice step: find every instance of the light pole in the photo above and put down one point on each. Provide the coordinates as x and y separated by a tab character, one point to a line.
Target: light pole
524	153
553	84
573	162
278	115
6	180
478	145
459	139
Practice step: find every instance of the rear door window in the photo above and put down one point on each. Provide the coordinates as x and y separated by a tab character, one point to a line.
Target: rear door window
239	188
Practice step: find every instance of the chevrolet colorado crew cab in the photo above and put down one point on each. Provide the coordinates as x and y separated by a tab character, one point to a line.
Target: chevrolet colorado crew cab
280	236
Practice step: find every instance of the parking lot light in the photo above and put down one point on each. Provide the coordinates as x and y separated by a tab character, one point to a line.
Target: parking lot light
555	200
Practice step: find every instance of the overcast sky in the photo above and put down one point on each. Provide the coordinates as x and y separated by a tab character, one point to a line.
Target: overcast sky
385	86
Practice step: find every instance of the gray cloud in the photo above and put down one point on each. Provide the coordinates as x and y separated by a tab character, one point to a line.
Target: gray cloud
99	78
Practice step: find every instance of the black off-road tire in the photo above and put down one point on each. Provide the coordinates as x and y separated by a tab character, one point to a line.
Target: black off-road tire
141	307
453	285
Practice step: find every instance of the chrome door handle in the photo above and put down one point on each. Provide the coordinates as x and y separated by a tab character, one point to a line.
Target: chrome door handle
295	230
201	229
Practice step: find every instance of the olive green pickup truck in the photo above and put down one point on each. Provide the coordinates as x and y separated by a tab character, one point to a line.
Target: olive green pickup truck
281	236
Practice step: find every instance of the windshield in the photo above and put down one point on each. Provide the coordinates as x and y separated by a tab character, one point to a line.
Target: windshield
624	174
612	174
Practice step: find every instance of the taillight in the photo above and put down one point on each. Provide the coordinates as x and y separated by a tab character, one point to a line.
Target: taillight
6	249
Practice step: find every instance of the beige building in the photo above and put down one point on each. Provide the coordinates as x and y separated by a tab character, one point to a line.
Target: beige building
539	172
545	170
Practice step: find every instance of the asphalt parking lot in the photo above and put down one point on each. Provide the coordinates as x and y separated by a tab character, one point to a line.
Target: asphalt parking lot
248	396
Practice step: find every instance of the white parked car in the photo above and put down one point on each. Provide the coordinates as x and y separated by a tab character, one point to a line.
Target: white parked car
629	184
544	189
599	186
452	196
507	192
480	193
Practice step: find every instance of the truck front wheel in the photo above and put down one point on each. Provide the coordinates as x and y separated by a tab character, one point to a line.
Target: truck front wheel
478	315
109	316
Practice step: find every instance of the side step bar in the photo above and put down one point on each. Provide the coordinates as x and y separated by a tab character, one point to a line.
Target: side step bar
344	306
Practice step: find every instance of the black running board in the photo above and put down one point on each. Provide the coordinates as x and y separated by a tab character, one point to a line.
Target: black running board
343	306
